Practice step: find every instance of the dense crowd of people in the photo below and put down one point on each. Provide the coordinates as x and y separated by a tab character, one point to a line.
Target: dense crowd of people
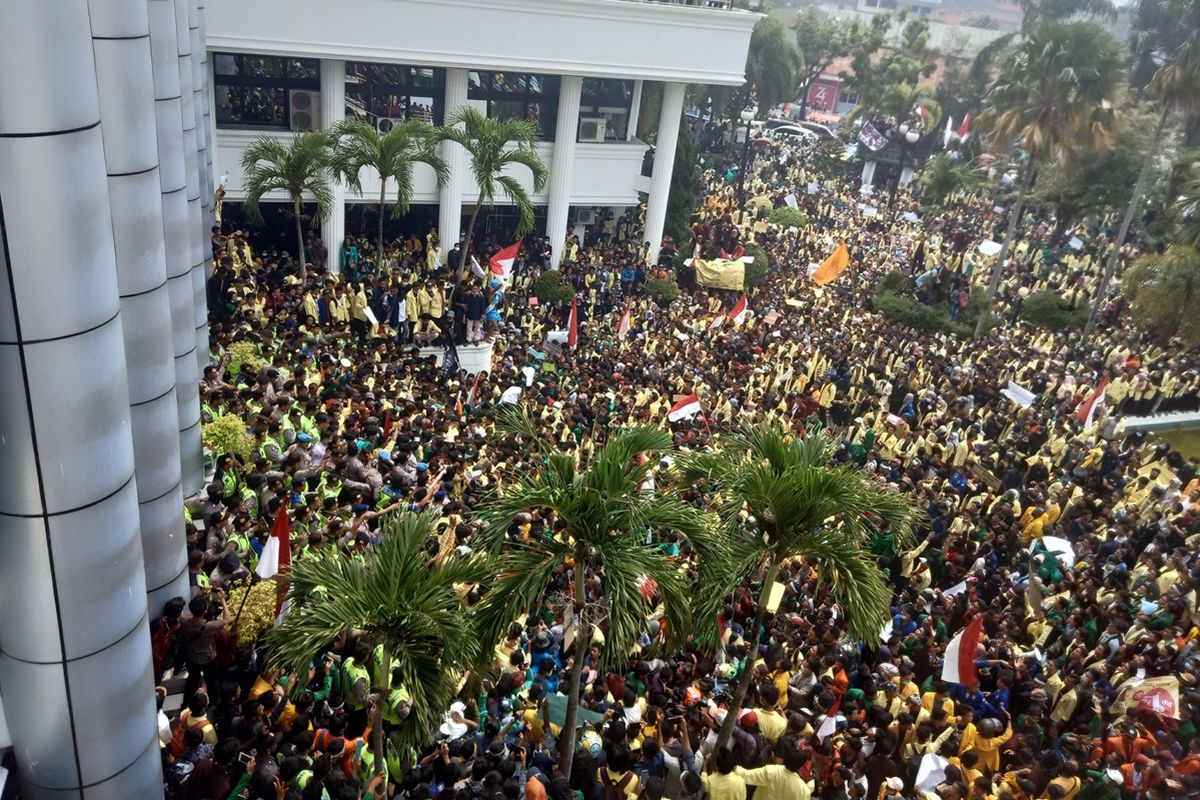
351	420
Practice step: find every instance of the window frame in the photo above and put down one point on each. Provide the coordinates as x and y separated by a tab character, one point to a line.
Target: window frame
411	86
543	99
283	82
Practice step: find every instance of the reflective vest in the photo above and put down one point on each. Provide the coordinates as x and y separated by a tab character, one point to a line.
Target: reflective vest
354	673
391	707
229	484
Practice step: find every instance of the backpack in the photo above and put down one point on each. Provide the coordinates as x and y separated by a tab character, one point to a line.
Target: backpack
166	645
615	790
181	727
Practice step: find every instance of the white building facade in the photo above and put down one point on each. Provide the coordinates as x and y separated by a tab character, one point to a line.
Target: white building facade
576	67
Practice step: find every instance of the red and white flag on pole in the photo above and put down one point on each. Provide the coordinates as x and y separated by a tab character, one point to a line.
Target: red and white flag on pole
474	390
958	666
965	128
686	408
625	321
737	314
276	558
829	724
647	587
502	263
717	322
1096	399
573	324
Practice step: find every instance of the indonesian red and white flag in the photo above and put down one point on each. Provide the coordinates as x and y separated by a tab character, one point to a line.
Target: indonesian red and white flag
474	390
686	408
965	128
573	324
625	321
502	262
276	559
737	314
647	587
958	665
829	724
717	322
1096	399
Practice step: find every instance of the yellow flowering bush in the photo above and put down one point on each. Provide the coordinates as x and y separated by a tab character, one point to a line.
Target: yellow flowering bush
258	615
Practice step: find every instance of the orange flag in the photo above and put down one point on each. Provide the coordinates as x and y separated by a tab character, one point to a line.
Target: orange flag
831	267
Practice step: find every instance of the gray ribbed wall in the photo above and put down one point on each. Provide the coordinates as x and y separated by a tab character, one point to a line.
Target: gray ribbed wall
191	161
121	40
204	181
75	663
168	113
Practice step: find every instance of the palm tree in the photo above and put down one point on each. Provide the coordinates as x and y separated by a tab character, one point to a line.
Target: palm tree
299	169
800	505
393	155
601	518
1053	97
405	602
1162	292
1186	210
1033	14
492	145
1176	86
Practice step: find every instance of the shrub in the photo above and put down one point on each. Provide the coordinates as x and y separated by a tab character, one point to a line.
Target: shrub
228	435
788	217
756	270
243	352
895	282
760	203
552	289
911	313
1046	310
663	291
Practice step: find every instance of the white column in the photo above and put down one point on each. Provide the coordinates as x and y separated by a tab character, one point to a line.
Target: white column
562	165
204	181
868	172
333	111
173	184
75	662
124	76
191	156
635	111
906	175
664	164
207	121
450	196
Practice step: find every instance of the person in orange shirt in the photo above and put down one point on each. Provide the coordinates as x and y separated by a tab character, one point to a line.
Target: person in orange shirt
1141	775
1190	763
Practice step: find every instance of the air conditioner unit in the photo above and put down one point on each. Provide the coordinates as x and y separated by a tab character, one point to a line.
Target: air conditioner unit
586	216
305	110
591	129
385	124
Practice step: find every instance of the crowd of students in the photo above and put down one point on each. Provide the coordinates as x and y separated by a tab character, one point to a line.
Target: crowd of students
350	421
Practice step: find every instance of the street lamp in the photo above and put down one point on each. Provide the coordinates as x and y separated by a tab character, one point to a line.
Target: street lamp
747	115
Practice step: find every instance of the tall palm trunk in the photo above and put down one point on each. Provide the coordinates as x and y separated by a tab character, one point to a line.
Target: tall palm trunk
1135	202
462	263
376	720
299	237
998	270
382	209
747	675
583	637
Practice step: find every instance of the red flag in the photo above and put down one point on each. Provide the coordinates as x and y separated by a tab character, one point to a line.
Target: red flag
276	558
737	314
458	406
647	587
958	663
965	127
686	408
573	324
829	724
474	390
502	262
1087	409
624	324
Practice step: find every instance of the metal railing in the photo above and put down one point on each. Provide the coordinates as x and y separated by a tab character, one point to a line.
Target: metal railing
723	4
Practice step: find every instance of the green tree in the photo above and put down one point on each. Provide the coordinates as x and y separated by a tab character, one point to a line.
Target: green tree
1052	97
492	145
405	602
1186	210
393	155
601	517
1162	293
772	64
296	170
1176	87
801	506
1033	14
877	70
821	39
942	176
685	186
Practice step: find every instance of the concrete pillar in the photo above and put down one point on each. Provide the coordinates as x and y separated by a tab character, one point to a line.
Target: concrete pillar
75	662
450	195
191	158
207	123
635	111
868	172
333	111
906	175
173	184
664	164
562	165
203	166
121	41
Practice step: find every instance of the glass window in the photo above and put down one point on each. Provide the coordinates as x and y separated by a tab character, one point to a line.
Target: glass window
257	91
381	92
511	95
607	100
